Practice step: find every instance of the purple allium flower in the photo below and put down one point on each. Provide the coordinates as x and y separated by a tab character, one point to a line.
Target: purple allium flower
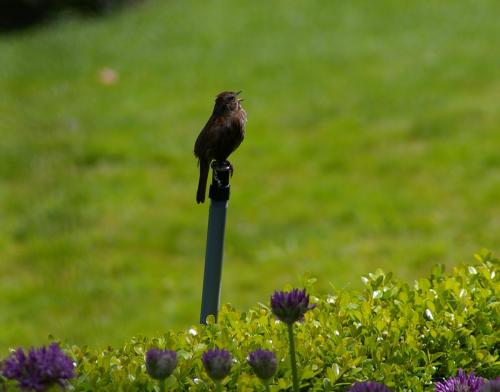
369	386
491	386
217	363
160	363
460	383
40	369
291	306
263	363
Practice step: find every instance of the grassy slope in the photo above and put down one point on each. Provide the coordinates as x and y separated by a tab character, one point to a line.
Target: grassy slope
373	141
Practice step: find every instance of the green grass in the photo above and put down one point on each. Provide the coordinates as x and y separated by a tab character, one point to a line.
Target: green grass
373	141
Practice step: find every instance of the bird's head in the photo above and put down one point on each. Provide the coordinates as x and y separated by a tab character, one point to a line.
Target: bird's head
227	101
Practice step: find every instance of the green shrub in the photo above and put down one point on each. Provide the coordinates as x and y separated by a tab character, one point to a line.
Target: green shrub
406	337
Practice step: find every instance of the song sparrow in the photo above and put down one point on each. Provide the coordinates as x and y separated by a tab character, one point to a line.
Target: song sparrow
222	134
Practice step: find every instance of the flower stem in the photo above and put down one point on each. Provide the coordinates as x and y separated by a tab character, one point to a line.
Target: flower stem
162	385
266	385
218	386
293	360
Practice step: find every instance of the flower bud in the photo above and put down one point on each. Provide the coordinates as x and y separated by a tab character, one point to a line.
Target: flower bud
160	364
217	363
39	369
263	363
462	382
290	307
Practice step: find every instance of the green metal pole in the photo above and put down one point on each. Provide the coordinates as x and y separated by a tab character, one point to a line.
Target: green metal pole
219	196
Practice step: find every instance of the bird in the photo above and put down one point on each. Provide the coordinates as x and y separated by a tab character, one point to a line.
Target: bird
221	135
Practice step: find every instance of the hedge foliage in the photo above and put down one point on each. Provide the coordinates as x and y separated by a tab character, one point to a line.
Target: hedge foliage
405	336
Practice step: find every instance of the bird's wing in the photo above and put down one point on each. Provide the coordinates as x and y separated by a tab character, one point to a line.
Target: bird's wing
203	140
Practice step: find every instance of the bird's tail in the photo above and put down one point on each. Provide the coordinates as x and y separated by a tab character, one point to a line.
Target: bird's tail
202	183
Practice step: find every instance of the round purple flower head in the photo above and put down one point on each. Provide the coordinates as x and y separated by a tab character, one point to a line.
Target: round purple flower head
460	383
290	306
40	369
263	363
160	364
491	386
369	386
217	363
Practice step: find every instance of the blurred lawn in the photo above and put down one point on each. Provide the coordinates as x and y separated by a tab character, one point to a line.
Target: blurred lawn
373	141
